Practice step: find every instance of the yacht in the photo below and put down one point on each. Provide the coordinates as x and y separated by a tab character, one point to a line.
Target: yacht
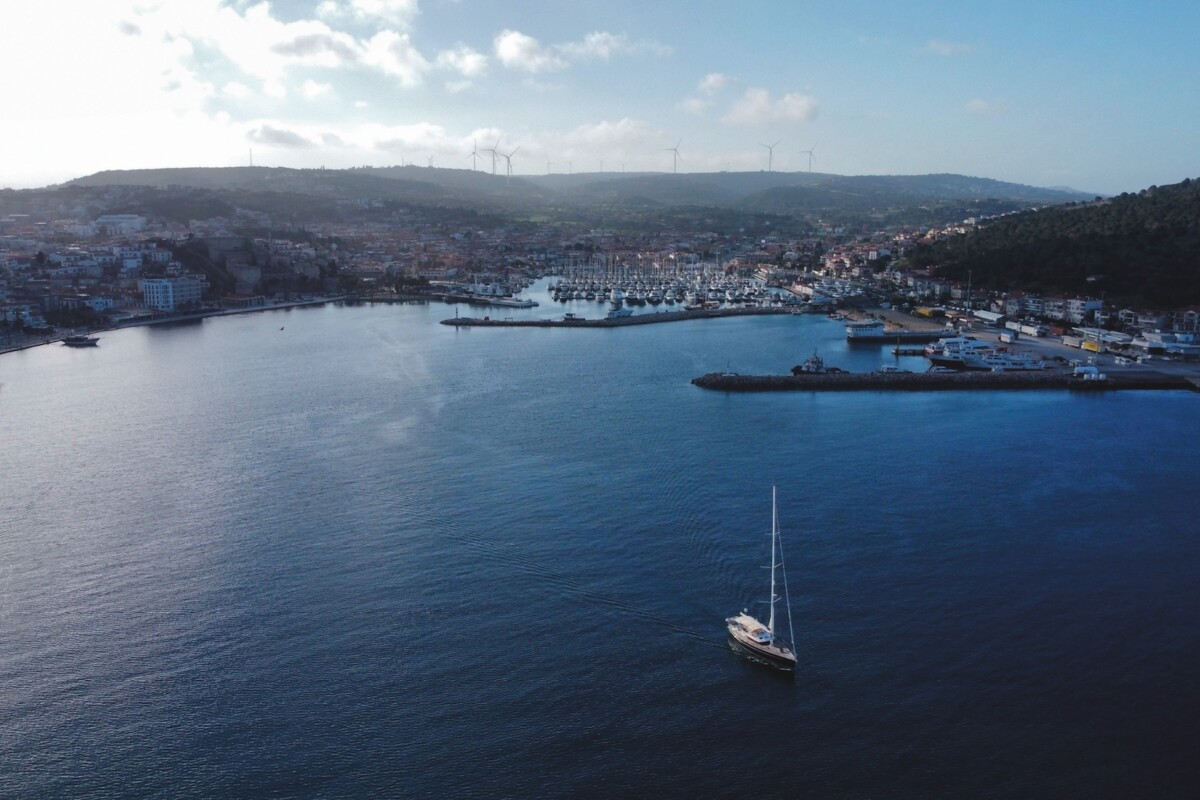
759	641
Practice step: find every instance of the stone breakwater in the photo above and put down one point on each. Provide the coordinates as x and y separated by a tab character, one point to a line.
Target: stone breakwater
618	322
936	381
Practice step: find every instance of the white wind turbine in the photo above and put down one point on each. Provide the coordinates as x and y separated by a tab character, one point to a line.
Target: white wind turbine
474	155
508	160
674	158
494	151
770	153
810	156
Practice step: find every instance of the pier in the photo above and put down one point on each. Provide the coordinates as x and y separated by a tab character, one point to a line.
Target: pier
940	381
618	322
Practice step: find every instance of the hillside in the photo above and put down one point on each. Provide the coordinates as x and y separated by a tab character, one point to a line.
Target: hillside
1138	249
859	203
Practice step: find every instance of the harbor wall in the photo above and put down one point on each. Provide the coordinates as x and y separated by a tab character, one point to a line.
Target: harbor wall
936	381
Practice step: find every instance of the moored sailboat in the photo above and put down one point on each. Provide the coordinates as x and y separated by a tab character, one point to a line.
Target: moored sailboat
760	641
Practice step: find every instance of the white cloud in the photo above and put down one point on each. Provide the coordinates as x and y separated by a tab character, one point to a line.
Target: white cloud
398	13
713	82
255	43
312	89
278	137
463	60
943	48
519	51
756	106
984	108
394	55
623	131
597	45
318	48
236	90
709	87
422	136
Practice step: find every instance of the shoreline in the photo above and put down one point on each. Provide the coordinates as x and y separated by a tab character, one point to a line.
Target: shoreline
41	341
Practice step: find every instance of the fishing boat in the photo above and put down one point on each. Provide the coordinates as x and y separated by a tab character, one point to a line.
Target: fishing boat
757	640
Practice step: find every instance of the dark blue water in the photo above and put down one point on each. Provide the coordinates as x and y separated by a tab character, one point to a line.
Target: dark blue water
369	555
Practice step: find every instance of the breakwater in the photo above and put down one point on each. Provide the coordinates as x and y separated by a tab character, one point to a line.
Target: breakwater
617	322
937	381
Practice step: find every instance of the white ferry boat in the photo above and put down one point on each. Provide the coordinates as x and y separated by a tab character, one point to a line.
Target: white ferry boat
874	330
982	357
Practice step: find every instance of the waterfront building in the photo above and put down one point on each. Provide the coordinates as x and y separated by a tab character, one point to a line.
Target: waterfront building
173	293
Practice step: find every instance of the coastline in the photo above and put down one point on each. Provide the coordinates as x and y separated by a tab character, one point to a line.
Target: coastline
33	340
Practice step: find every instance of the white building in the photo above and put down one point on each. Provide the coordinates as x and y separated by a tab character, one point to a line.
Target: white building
1082	309
117	224
173	294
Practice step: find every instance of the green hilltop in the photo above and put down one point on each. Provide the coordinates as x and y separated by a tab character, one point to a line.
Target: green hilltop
1142	249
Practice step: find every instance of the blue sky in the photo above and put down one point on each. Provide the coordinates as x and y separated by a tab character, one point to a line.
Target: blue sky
1098	96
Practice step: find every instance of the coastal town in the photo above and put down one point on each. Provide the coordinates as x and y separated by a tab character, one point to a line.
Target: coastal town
62	275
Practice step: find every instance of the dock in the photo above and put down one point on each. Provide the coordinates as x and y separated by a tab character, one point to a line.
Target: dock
940	381
619	322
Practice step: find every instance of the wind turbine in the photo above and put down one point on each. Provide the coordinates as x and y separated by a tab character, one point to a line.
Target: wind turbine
675	158
770	153
493	150
810	156
508	160
474	154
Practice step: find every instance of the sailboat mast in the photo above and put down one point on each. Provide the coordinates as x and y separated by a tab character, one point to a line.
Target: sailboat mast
774	533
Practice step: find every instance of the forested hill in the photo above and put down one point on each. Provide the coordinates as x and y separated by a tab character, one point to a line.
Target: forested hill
857	203
1138	249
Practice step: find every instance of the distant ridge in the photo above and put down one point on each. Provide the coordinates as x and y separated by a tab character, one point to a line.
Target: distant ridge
774	192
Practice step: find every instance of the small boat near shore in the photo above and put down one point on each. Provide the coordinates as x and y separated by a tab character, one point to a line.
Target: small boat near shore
759	641
81	341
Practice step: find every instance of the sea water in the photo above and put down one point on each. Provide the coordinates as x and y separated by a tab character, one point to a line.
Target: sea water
350	552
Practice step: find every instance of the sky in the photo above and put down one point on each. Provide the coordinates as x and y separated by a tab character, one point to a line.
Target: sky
1099	96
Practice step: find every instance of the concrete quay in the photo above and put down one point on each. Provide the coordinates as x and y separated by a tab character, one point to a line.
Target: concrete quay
941	381
619	322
